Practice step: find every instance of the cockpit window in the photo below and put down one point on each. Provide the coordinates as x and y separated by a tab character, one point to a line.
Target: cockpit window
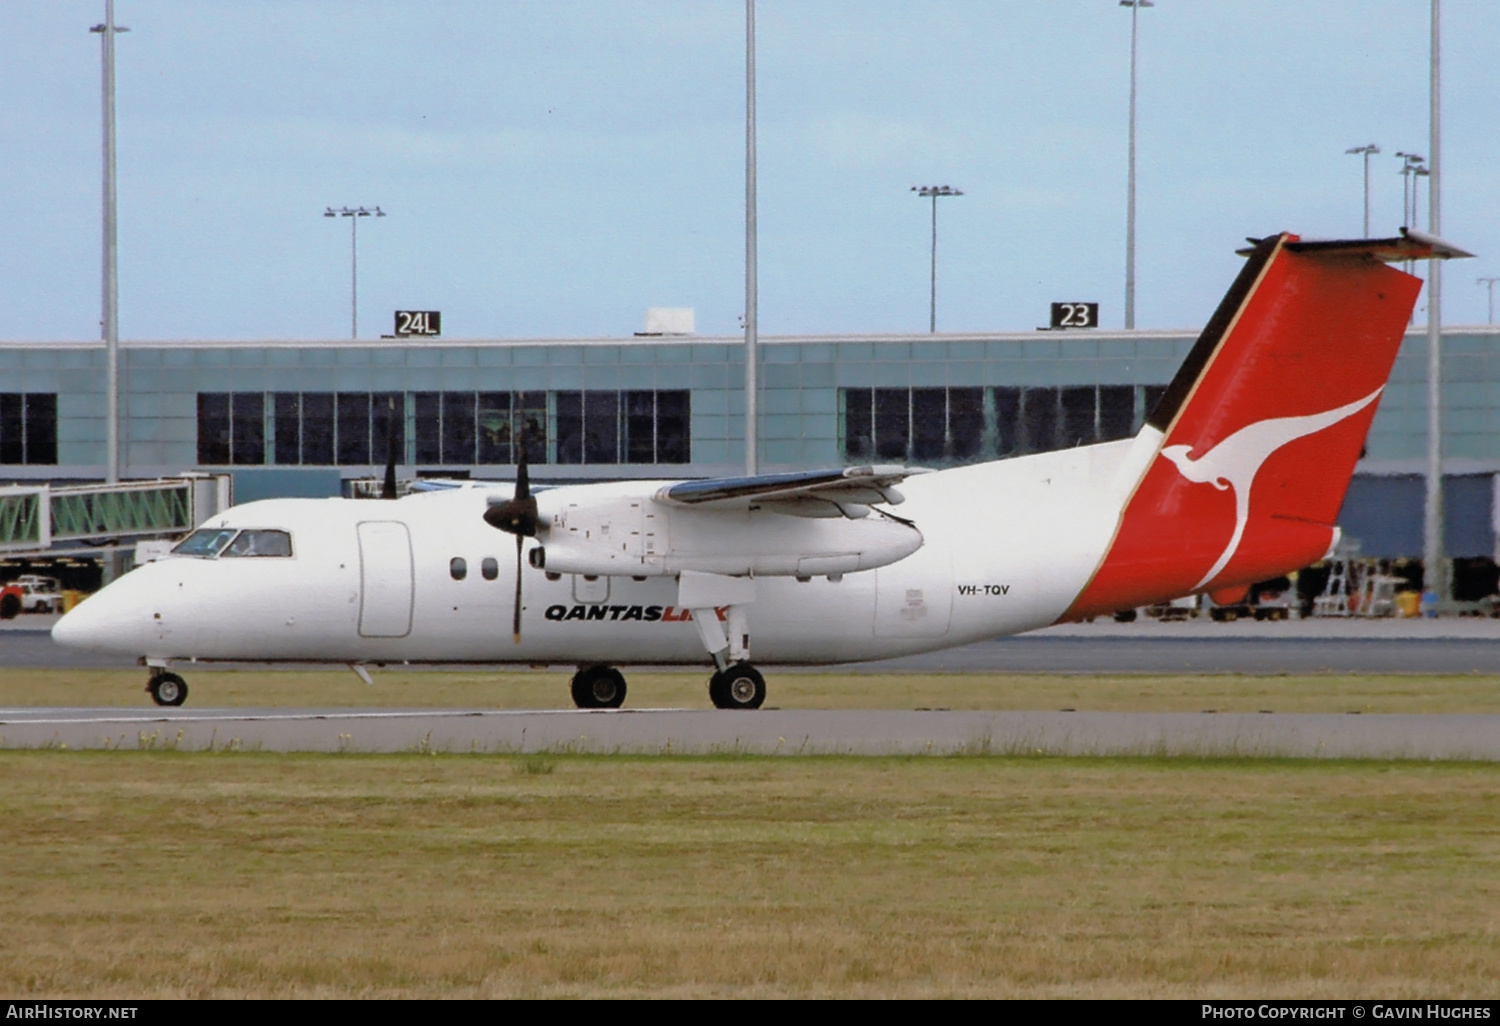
259	543
206	542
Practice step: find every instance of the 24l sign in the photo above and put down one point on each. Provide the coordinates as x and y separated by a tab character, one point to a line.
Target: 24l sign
418	322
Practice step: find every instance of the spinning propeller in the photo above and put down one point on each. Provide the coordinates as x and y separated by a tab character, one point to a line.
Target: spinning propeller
518	516
388	488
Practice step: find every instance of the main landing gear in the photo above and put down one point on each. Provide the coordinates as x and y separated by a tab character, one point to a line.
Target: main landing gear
167	688
598	687
737	687
717	602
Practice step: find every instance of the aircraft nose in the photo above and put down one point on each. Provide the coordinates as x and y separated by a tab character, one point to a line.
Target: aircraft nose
101	623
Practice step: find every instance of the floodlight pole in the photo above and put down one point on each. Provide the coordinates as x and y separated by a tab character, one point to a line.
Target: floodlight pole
110	319
934	191
1410	163
1366	151
1135	6
353	215
1411	166
1436	580
1491	283
752	298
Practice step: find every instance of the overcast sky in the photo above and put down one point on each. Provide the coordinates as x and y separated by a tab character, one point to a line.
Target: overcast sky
554	168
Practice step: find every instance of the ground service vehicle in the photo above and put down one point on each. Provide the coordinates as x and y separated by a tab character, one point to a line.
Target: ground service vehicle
40	594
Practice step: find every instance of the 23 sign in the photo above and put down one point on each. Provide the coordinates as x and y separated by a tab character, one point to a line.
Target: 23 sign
1075	315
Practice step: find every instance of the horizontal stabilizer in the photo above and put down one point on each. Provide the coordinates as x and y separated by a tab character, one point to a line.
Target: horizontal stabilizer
1409	245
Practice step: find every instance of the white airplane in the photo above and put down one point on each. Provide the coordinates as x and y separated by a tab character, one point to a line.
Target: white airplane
1236	477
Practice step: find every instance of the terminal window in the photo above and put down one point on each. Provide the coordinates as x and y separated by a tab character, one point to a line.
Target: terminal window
28	427
468	428
930	425
638	426
458	429
962	425
304	428
231	428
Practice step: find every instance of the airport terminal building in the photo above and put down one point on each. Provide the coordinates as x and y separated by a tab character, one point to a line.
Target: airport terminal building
303	417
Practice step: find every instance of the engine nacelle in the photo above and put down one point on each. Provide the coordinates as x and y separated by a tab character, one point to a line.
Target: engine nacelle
627	532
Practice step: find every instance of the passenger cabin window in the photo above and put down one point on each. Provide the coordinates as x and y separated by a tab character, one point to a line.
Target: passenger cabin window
260	543
490	568
458	567
207	542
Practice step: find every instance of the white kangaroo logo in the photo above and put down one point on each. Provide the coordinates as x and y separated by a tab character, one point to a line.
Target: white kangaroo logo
1235	461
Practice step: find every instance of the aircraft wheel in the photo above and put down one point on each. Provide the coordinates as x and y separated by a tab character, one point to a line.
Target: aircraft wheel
599	687
739	687
168	689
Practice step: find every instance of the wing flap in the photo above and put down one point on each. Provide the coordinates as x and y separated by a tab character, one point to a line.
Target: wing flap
847	492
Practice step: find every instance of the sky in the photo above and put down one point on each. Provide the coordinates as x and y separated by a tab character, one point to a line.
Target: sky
552	169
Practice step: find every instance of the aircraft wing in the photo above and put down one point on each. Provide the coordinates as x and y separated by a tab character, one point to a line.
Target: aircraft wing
844	492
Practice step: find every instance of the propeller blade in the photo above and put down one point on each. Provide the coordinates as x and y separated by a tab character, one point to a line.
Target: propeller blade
515	625
523	478
518	514
388	489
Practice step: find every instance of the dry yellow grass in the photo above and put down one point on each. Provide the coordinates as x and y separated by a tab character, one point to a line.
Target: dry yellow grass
161	874
548	689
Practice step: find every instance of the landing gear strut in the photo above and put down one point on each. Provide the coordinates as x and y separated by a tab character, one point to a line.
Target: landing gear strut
167	689
737	687
598	687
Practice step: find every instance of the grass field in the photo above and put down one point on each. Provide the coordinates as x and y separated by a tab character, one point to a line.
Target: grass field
1396	693
164	874
171	874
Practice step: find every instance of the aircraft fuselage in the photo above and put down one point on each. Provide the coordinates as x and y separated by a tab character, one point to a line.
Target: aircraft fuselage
1006	547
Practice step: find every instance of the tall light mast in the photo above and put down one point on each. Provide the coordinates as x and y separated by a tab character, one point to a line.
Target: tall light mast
752	299
1435	582
1367	151
934	191
1135	9
353	214
110	301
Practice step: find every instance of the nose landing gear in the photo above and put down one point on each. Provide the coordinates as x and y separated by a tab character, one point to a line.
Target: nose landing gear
167	689
598	687
737	687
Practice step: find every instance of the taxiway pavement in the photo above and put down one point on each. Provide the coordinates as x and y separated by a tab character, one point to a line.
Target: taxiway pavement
1308	646
767	732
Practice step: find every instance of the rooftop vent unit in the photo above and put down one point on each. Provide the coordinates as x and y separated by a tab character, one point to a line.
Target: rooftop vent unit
668	320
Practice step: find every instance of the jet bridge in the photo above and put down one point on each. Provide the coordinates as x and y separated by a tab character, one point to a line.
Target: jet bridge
43	520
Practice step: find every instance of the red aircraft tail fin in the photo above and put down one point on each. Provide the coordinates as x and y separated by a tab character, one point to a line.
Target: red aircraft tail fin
1264	422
